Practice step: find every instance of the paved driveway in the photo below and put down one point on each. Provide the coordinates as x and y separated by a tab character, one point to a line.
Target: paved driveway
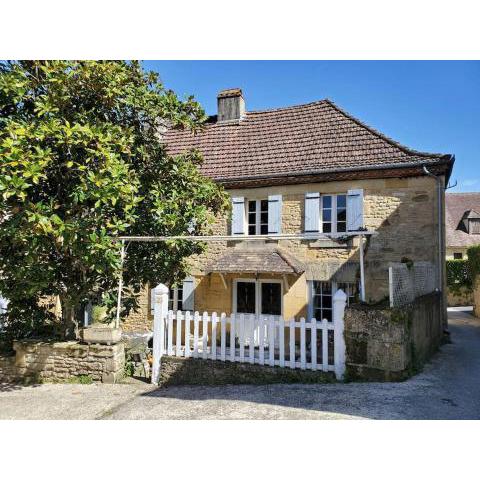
448	388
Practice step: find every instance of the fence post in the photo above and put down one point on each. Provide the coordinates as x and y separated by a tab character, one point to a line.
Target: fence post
339	302
159	316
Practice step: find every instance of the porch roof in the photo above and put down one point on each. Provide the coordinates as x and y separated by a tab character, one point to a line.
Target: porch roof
256	261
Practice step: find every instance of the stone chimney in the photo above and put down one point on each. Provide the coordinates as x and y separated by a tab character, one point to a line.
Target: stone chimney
231	105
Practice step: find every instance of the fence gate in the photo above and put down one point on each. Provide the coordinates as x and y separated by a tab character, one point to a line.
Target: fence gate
262	340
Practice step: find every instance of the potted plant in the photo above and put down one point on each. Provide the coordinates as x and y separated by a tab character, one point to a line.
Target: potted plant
102	330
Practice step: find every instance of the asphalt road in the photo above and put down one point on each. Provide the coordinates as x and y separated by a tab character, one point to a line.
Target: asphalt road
448	388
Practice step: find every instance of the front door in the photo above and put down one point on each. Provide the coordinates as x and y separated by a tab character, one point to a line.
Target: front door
257	297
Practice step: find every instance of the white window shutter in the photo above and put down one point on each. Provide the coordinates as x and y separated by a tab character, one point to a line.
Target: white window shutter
238	216
188	294
274	214
355	209
312	212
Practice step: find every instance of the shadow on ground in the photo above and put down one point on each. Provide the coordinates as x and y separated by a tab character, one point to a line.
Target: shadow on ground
447	388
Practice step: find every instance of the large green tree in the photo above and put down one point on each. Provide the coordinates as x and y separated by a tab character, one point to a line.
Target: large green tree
82	162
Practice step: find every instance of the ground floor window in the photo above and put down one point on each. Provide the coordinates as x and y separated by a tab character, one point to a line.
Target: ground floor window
457	255
321	297
175	298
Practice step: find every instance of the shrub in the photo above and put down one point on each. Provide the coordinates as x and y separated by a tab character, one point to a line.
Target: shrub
473	254
458	274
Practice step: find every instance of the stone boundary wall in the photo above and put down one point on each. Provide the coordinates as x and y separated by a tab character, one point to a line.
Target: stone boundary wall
8	370
385	344
461	297
37	361
196	371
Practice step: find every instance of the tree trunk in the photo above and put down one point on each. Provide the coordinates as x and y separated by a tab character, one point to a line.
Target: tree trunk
69	321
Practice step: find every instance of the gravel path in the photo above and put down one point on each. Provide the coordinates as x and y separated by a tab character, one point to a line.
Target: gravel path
448	388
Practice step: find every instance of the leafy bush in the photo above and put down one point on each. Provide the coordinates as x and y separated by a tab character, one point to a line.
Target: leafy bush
474	261
458	274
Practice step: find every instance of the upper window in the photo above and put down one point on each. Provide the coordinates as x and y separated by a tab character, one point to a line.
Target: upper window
334	213
457	255
257	217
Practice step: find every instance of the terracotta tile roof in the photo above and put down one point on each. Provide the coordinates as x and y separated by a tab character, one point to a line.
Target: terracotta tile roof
456	206
305	139
256	261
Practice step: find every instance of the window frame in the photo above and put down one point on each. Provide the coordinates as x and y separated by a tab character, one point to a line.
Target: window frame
258	216
334	212
334	286
175	301
258	293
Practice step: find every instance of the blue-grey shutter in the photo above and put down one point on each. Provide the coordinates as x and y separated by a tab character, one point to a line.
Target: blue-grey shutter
238	216
354	209
274	214
188	302
312	212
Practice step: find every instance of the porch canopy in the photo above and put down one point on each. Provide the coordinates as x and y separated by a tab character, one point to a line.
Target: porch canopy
256	261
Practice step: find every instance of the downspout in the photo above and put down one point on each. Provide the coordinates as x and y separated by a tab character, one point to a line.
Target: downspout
440	237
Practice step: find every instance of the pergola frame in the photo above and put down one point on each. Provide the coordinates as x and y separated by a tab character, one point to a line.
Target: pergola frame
254	238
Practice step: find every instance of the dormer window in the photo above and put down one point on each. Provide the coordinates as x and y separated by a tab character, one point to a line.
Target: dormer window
470	222
474	225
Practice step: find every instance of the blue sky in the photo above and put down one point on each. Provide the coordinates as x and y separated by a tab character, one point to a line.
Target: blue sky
432	106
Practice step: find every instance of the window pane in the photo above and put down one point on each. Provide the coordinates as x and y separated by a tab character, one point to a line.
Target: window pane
341	201
341	227
251	229
327	227
264	217
252	206
317	313
271	299
246	297
341	215
264	205
326	288
317	288
327	215
263	229
327	201
327	314
251	218
326	301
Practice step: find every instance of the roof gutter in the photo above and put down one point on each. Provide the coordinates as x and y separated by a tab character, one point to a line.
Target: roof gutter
446	159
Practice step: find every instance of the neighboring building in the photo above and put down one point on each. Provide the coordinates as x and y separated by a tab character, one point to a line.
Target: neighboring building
294	170
462	220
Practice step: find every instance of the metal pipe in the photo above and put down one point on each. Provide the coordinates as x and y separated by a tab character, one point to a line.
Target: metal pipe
224	238
120	285
362	272
440	217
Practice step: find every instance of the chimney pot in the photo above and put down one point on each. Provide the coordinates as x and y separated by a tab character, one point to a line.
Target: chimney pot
231	105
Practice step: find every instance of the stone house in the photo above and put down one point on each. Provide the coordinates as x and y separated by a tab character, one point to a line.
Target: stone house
462	220
307	169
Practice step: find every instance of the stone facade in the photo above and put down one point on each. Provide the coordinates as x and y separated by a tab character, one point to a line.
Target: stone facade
402	211
60	361
385	344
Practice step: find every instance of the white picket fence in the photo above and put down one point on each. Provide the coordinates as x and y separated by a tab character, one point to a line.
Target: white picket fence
262	340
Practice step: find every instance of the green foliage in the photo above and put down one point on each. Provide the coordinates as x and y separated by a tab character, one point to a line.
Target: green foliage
129	366
458	274
98	314
473	254
82	162
81	379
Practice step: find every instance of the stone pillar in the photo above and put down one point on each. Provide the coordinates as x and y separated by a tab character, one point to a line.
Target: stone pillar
159	317
339	302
